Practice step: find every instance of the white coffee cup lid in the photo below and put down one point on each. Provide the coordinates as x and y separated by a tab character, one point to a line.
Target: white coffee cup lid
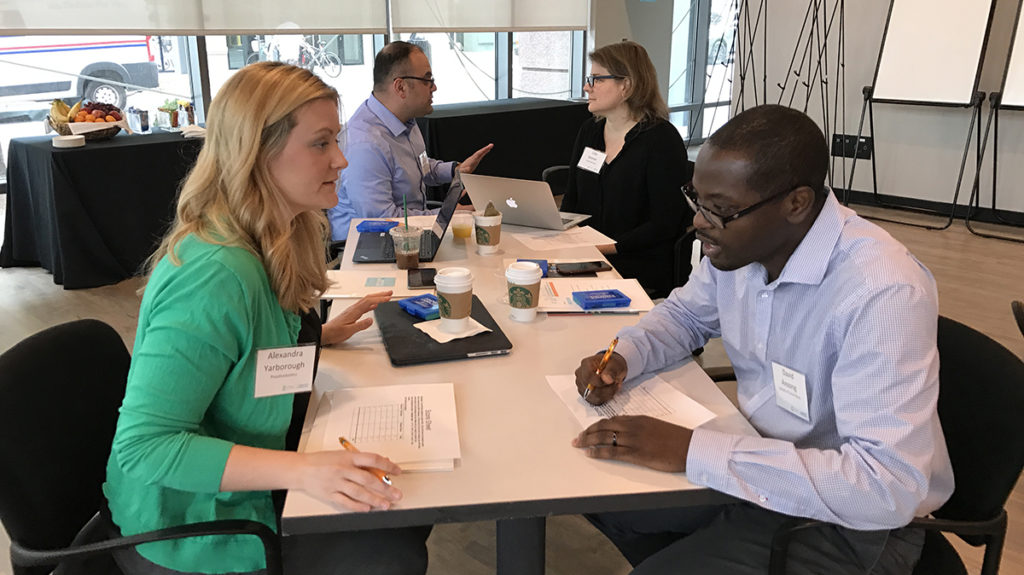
68	141
523	272
455	279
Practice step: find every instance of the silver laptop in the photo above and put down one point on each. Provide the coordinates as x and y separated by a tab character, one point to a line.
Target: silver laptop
521	202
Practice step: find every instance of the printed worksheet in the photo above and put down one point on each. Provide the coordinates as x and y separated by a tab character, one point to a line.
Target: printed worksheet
556	294
650	395
358	283
413	425
542	240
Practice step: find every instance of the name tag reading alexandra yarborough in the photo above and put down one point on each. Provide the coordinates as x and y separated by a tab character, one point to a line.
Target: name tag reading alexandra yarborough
592	160
282	370
791	391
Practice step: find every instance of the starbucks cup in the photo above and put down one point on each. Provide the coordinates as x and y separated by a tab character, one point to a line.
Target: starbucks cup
454	298
488	233
523	290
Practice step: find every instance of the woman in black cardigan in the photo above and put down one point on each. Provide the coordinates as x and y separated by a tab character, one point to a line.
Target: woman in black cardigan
628	165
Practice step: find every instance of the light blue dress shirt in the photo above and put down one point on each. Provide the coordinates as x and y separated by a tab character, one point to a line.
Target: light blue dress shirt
384	167
856	314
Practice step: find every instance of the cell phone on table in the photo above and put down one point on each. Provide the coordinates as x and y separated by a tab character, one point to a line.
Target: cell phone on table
421	278
574	268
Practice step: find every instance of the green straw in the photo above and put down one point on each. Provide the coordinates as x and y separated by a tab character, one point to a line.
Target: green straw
406	210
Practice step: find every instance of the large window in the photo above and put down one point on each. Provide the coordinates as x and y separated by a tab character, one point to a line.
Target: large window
701	69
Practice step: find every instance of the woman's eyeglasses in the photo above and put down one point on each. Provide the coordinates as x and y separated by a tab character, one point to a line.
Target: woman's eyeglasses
591	78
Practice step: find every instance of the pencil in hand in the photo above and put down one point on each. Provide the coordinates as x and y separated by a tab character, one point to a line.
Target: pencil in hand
384	477
601	365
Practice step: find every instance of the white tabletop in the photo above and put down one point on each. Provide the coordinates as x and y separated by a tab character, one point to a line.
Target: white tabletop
515	433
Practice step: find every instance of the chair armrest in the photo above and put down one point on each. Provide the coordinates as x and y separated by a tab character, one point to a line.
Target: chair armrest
32	557
551	171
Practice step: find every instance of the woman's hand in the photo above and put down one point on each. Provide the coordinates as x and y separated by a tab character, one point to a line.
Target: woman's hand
349	323
343	478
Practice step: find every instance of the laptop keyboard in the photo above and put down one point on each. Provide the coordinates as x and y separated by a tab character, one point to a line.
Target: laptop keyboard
425	238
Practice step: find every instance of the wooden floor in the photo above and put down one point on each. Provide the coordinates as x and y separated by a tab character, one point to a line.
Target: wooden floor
977	279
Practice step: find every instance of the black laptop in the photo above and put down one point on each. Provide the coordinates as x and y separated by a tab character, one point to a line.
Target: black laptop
407	345
378	247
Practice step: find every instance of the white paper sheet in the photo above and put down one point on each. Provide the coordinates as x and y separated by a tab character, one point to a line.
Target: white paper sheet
413	425
542	240
358	283
556	294
650	395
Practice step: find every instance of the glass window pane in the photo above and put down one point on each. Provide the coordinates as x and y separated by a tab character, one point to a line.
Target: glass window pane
336	58
140	71
542	64
462	63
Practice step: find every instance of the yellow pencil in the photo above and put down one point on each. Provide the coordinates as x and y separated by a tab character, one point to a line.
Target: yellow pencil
379	473
601	365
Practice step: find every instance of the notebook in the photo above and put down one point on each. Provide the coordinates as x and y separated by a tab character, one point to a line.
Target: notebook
407	345
378	247
521	202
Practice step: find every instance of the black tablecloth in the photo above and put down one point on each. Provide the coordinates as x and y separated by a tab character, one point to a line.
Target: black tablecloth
92	215
529	134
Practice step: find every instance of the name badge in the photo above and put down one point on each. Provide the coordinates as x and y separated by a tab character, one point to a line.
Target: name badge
284	370
424	163
592	160
791	391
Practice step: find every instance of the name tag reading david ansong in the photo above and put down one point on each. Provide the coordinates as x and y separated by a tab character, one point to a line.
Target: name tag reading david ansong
282	370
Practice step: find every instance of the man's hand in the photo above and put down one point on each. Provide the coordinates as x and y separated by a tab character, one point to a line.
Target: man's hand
604	386
349	323
637	439
471	162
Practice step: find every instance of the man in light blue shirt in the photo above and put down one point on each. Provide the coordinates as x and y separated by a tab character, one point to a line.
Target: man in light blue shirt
389	170
830	325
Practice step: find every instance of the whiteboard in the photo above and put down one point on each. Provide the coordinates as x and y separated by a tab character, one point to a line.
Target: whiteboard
1013	83
932	51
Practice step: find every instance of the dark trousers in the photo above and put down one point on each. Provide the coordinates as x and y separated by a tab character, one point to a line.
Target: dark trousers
735	539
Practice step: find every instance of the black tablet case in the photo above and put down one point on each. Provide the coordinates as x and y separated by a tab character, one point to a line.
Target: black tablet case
407	345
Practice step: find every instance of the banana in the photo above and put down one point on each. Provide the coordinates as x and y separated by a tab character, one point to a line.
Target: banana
74	111
59	110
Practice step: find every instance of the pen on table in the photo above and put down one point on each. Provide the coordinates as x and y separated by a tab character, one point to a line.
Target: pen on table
379	473
600	366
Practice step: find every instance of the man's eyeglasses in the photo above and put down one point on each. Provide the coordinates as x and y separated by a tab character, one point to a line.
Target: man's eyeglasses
718	220
428	80
590	78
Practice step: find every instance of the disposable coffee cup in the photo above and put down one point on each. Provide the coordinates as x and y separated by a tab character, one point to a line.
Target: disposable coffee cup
407	246
462	225
523	290
488	233
454	298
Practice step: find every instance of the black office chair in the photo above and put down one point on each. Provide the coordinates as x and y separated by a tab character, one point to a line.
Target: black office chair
981	397
557	177
683	251
1018	314
60	391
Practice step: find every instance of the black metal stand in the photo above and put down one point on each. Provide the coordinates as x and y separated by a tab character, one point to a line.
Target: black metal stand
995	101
868	108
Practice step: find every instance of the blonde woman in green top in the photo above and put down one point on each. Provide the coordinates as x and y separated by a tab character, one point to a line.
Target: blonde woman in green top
244	257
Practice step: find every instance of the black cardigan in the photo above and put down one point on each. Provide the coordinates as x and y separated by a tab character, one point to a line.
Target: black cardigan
636	199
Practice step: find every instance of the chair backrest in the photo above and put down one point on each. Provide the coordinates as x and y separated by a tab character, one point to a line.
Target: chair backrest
981	403
1018	314
60	391
683	257
557	177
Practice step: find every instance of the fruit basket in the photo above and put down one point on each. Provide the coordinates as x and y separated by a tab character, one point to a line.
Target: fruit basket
64	129
93	121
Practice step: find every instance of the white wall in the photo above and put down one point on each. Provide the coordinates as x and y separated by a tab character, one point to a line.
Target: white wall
918	148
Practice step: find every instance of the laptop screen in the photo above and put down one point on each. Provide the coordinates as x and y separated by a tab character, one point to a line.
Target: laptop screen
451	201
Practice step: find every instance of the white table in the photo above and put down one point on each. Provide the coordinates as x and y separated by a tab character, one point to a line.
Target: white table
517	463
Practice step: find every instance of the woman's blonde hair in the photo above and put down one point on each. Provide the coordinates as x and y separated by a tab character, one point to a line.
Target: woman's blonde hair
629	59
230	198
